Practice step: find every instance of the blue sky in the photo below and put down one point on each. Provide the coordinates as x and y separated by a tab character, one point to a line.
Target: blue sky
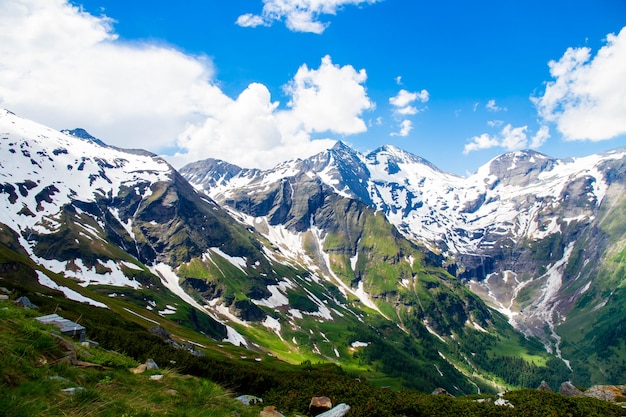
255	82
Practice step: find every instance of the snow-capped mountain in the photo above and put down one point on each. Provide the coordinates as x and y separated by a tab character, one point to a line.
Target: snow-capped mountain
526	232
298	263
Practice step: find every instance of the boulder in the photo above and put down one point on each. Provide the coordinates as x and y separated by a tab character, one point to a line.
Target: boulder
441	391
606	392
544	386
25	302
139	370
160	332
319	405
249	399
270	411
151	364
569	390
339	411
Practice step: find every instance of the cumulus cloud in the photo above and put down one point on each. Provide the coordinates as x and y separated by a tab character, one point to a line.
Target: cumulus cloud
405	128
402	104
510	138
492	106
66	68
328	99
586	98
299	15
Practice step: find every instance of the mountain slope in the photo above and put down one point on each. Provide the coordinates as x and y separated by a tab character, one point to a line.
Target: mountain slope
527	232
308	210
298	271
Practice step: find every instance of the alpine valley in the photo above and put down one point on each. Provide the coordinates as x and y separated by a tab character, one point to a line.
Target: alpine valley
380	263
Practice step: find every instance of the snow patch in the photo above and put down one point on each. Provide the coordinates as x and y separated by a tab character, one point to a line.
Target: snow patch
67	292
234	337
273	324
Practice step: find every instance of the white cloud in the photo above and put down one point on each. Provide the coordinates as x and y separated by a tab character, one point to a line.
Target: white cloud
492	106
330	98
510	138
586	98
403	106
66	68
404	98
484	141
299	15
405	128
250	20
542	135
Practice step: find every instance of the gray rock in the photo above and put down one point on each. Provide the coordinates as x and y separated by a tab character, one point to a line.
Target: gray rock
339	411
151	364
606	392
441	391
25	302
249	399
544	386
568	389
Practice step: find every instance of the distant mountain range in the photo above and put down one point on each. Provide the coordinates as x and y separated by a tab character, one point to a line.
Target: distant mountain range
380	263
539	239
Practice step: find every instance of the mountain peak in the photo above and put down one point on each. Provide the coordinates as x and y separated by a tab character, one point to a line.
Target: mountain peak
83	134
394	156
523	162
339	145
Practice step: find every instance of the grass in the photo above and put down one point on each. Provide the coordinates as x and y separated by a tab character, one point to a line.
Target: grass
33	374
33	377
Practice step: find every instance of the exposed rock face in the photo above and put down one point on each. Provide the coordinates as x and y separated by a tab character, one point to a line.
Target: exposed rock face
338	411
568	389
528	233
607	392
544	387
441	391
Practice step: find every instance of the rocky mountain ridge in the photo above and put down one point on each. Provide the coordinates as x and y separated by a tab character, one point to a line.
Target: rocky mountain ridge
526	232
300	272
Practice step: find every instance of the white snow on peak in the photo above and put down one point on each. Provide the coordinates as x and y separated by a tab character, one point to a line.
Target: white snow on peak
43	170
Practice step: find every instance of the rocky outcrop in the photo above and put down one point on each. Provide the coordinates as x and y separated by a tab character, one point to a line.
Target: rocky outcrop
614	393
338	411
569	390
441	391
544	387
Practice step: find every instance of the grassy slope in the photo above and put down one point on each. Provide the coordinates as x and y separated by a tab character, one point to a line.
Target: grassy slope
33	375
594	330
